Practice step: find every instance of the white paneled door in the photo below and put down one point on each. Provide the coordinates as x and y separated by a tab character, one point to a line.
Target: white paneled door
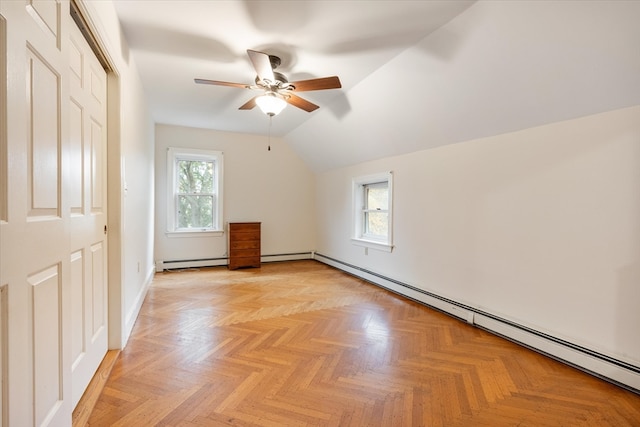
87	210
53	325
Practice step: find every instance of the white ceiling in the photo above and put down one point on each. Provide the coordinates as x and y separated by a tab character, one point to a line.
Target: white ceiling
174	42
415	74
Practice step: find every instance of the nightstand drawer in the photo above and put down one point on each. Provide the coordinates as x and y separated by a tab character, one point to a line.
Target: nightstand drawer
244	226
244	252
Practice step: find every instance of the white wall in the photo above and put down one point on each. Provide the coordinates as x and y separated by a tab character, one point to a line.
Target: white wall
138	200
273	187
540	227
130	174
498	67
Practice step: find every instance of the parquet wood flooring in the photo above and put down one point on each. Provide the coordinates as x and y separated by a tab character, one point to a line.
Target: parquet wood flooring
82	412
302	344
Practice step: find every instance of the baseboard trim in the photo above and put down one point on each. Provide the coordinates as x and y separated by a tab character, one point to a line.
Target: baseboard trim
296	256
608	368
132	315
214	262
189	263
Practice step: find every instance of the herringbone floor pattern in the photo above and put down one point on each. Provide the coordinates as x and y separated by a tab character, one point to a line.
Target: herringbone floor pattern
302	344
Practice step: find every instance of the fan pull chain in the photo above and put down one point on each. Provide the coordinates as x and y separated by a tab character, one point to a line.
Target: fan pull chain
270	120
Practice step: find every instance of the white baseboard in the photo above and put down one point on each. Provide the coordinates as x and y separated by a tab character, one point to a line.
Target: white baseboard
214	262
194	263
603	366
287	257
132	315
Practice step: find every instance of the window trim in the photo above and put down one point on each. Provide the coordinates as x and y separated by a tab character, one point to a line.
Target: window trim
173	155
358	236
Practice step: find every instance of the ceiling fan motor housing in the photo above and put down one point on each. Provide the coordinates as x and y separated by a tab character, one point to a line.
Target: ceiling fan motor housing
280	79
275	85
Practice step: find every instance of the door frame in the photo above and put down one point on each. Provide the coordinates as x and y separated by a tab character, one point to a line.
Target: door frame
4	332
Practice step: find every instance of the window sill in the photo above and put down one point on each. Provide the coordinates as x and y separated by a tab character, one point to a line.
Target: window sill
194	233
372	244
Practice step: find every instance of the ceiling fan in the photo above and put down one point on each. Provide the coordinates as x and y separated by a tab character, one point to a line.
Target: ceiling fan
277	90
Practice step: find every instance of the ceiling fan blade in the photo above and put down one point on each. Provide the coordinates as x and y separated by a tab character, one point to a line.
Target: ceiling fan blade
249	104
317	84
219	83
262	64
303	104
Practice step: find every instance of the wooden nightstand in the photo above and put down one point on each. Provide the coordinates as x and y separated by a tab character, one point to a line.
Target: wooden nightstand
244	244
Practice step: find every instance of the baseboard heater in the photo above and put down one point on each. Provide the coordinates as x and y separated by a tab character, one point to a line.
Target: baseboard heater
162	265
608	368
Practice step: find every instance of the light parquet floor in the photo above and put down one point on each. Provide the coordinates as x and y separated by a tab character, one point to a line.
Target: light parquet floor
302	344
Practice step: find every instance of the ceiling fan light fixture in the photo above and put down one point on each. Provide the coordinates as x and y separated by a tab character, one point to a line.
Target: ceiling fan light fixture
271	104
278	92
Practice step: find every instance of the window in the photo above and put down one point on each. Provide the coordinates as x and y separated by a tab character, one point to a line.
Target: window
372	202
195	187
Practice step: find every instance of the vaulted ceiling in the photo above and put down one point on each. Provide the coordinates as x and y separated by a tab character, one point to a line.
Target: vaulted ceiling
415	74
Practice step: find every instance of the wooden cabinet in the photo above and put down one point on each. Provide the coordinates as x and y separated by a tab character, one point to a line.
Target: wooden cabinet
244	244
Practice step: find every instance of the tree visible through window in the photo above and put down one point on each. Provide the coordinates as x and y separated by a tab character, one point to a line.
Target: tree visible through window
372	202
196	197
376	209
195	186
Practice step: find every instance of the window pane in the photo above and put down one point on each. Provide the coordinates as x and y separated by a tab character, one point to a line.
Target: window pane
195	176
377	196
376	223
195	211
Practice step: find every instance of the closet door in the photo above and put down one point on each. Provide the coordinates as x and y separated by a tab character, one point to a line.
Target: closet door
87	211
52	259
